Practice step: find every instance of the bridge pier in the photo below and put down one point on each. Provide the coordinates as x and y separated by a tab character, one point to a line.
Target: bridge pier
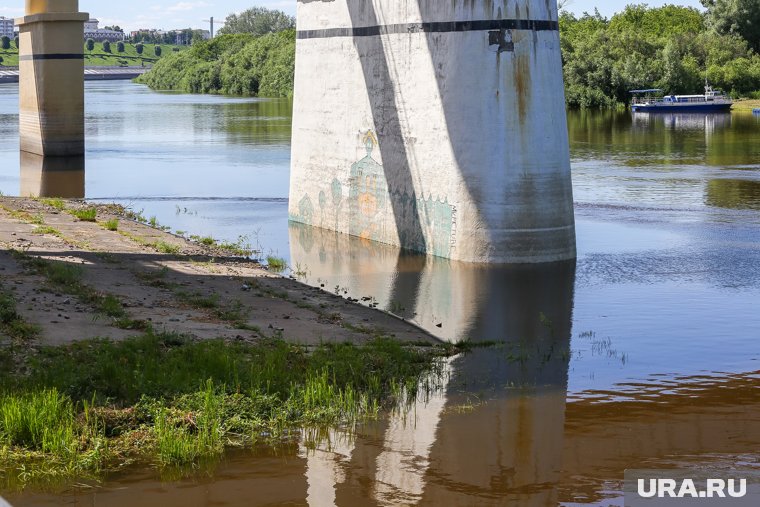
435	126
51	89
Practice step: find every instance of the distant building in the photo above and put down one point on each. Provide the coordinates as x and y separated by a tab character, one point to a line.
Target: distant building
7	27
91	25
149	34
91	31
185	36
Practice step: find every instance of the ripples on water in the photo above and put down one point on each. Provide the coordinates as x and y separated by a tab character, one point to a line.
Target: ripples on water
644	353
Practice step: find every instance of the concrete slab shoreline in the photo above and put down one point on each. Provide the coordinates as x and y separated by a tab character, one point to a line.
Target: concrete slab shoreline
168	281
11	74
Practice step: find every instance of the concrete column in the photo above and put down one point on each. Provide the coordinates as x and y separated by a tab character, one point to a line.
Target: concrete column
436	126
51	89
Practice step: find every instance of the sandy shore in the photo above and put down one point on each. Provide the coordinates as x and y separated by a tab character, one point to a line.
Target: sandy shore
197	290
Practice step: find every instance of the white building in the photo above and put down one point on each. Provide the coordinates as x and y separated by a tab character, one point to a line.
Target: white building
7	27
91	31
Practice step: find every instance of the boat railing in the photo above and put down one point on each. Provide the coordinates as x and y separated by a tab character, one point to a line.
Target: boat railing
675	99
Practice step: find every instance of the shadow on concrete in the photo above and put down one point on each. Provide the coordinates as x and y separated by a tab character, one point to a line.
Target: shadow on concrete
382	96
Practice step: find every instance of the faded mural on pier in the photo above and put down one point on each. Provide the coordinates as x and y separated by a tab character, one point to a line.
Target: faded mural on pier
373	210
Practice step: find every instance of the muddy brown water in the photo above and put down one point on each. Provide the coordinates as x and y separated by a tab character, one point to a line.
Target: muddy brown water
643	354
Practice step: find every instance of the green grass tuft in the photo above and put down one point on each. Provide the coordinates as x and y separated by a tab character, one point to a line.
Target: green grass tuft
277	264
46	229
167	399
58	204
38	421
167	248
111	225
86	215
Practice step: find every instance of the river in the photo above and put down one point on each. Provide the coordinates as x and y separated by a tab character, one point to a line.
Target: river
643	354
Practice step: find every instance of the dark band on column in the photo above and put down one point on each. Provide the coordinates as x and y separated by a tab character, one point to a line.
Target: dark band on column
54	56
433	27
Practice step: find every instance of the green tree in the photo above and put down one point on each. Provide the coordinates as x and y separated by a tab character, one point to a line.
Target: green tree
90	44
258	21
230	64
106	46
120	47
16	42
157	50
656	23
5	42
139	48
740	17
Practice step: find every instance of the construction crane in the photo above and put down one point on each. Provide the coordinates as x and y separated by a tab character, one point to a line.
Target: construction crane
211	22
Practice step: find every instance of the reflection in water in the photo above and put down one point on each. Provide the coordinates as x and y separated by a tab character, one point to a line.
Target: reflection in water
702	122
449	451
326	457
52	176
658	161
661	280
733	194
408	442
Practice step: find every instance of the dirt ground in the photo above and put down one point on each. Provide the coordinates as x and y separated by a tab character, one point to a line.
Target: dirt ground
196	290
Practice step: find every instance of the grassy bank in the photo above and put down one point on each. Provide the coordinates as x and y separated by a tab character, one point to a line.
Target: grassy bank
163	399
98	57
746	105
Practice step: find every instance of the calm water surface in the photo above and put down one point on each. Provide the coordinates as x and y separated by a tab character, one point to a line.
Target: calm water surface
643	354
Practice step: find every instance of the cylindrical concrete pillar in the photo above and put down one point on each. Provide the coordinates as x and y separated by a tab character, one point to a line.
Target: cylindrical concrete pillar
51	89
436	126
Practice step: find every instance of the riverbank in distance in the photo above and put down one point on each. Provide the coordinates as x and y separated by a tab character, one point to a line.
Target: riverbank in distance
746	105
113	58
122	343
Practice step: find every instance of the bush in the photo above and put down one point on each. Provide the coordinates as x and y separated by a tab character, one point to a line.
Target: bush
5	42
15	41
139	48
90	44
120	47
106	46
230	64
157	50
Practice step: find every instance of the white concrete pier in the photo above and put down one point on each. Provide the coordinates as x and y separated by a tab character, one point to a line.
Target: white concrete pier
436	126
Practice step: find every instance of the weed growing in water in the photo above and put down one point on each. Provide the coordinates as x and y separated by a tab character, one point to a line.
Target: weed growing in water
277	264
167	399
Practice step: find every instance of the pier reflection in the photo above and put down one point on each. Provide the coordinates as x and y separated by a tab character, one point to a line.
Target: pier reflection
52	176
494	430
502	428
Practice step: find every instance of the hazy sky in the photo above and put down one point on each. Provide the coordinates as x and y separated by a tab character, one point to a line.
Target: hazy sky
172	14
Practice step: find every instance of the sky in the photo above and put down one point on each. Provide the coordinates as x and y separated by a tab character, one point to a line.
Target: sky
172	14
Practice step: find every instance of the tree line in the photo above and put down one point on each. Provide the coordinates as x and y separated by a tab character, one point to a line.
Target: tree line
674	48
254	55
